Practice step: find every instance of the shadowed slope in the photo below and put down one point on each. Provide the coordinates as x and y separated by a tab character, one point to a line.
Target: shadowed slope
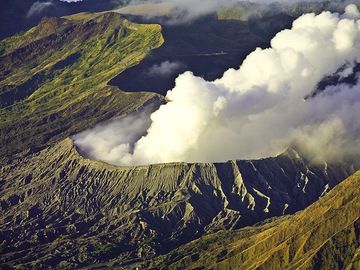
55	200
324	236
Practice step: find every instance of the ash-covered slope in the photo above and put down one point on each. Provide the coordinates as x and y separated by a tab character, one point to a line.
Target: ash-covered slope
324	236
61	210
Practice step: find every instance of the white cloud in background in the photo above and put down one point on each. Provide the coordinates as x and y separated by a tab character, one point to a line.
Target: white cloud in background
256	110
38	7
179	11
165	68
183	11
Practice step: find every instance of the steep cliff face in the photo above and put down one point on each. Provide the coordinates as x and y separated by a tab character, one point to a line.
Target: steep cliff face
57	206
324	236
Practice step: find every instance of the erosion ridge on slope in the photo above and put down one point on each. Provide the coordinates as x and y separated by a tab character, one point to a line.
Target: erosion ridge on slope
57	72
60	209
324	236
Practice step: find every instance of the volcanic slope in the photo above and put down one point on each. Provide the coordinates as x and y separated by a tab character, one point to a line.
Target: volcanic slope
59	209
53	78
324	236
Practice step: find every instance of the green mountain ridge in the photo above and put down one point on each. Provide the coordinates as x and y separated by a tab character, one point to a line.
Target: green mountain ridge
56	73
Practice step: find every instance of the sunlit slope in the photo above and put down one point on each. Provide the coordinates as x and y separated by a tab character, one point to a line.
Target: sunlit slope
324	236
53	78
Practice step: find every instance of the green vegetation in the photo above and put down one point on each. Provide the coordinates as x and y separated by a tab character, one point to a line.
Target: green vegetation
53	78
234	13
105	250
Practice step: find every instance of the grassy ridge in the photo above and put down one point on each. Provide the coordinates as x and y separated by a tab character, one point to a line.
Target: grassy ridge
57	73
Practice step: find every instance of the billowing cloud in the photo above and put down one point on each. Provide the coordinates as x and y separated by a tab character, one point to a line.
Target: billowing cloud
38	7
115	139
258	109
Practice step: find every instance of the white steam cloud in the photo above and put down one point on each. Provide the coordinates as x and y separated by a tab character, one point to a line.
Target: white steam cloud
114	140
165	68
176	11
38	7
256	110
190	9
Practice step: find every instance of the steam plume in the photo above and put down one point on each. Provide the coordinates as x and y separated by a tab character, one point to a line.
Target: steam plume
38	7
256	110
165	68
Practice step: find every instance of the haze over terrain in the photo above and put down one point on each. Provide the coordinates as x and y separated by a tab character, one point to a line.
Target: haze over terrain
229	117
88	84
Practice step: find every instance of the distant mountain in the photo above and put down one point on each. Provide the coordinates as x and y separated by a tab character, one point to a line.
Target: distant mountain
61	210
206	46
324	236
20	15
